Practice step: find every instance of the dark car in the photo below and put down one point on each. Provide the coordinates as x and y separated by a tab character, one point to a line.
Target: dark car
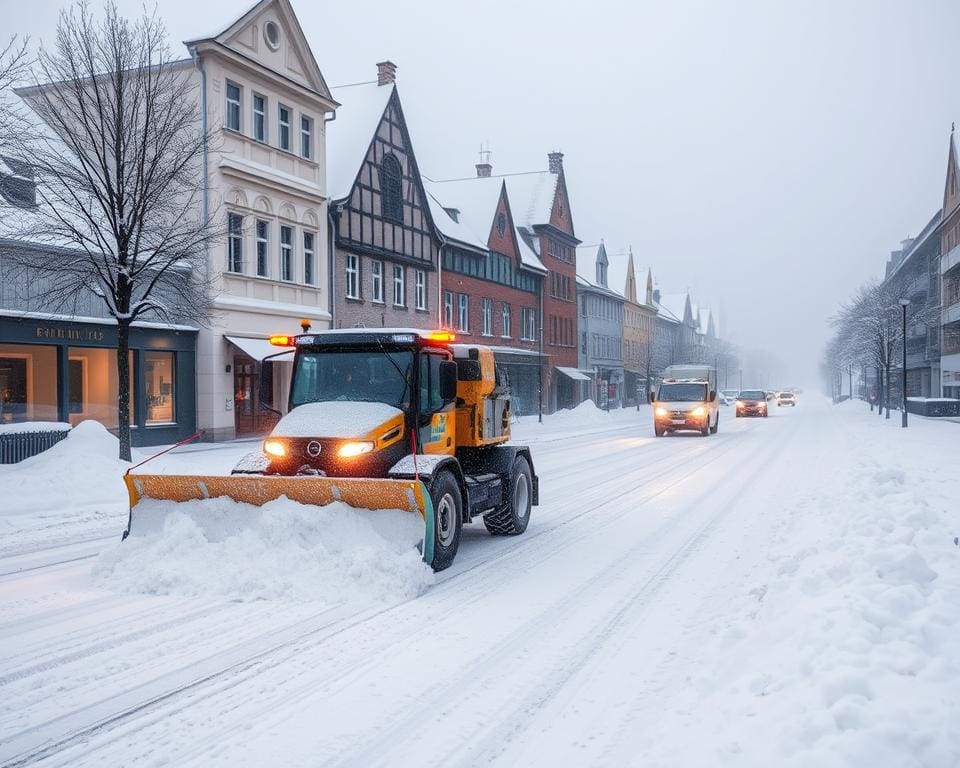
752	402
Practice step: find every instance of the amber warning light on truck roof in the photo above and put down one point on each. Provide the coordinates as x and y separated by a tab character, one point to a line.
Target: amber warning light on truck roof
442	336
282	341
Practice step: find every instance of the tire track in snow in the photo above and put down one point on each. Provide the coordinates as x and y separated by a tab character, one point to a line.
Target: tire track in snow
615	472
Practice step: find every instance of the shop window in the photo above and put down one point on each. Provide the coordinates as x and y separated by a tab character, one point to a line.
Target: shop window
28	383
96	387
159	387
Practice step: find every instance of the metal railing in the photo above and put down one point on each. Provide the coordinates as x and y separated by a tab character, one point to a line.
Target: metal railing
22	445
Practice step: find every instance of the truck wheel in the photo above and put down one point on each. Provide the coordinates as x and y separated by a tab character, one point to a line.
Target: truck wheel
447	519
707	429
513	518
658	431
716	426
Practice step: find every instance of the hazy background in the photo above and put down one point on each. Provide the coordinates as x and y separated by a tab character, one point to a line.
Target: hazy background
767	156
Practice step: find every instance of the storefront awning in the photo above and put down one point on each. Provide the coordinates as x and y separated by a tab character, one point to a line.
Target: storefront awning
574	374
258	349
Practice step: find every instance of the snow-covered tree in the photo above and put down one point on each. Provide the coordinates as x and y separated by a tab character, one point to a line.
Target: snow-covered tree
118	157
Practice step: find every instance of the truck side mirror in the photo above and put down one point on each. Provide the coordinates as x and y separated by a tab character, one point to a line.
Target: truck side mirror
448	381
653	396
713	396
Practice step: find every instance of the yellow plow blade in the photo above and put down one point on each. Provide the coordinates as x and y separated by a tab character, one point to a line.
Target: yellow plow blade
362	493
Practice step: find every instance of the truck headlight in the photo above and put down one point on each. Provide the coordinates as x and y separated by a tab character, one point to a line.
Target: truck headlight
275	448
662	412
698	411
349	450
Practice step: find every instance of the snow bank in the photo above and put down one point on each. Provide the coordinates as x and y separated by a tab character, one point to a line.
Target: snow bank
283	550
82	469
846	651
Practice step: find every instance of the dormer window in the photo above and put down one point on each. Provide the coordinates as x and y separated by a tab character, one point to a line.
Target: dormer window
501	223
391	188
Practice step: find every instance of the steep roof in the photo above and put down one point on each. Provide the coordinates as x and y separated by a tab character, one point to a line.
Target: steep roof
309	72
450	228
587	264
674	304
350	135
531	196
477	198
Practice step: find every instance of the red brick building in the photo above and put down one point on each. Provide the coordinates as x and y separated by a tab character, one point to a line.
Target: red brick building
490	284
526	285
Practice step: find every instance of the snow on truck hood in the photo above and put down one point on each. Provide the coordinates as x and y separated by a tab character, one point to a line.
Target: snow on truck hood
334	419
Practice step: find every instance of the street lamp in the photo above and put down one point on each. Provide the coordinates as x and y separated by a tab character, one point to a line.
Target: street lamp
903	378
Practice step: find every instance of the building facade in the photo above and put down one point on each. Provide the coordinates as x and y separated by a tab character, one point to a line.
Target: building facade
491	287
384	244
266	103
639	319
950	277
913	272
600	327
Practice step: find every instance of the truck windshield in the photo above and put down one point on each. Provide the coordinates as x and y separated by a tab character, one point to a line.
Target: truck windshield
363	375
683	393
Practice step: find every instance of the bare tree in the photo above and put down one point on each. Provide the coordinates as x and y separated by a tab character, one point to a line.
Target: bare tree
119	161
14	65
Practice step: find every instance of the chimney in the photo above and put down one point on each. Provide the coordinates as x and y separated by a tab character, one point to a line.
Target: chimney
386	72
556	162
484	170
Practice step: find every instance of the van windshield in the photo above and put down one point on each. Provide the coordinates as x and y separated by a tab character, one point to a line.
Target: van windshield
682	393
752	394
363	375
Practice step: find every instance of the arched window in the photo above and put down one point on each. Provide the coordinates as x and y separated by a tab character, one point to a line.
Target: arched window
391	186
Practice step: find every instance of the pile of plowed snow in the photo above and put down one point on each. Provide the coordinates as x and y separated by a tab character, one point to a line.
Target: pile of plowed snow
283	550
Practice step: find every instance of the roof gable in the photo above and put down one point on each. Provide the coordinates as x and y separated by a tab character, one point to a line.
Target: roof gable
289	54
951	190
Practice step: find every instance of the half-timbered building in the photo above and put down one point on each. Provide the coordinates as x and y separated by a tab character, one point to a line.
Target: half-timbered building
384	248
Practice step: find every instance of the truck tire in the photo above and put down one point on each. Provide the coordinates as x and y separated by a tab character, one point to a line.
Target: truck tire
658	431
716	425
447	519
707	429
513	518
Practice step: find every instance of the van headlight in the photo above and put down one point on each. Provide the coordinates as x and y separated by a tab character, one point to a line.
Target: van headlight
275	448
662	412
349	450
698	411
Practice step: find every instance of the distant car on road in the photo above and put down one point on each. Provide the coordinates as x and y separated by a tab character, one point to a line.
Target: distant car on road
752	402
787	398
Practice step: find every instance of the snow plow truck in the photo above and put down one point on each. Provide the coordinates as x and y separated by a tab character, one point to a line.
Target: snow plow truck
383	419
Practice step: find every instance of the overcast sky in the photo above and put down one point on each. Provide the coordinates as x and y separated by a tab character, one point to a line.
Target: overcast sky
767	156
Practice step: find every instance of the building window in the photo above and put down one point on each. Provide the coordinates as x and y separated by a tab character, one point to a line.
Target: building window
421	289
399	289
286	253
283	135
376	276
463	313
487	315
234	242
259	117
391	188
529	329
233	106
160	386
308	277
262	247
353	276
505	320
501	223
448	308
306	137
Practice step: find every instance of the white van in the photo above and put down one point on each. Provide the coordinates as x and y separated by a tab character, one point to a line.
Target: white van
687	400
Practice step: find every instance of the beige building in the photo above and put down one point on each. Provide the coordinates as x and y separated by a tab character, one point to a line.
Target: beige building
266	105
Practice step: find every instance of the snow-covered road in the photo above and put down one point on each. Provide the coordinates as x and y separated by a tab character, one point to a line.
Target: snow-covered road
748	598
